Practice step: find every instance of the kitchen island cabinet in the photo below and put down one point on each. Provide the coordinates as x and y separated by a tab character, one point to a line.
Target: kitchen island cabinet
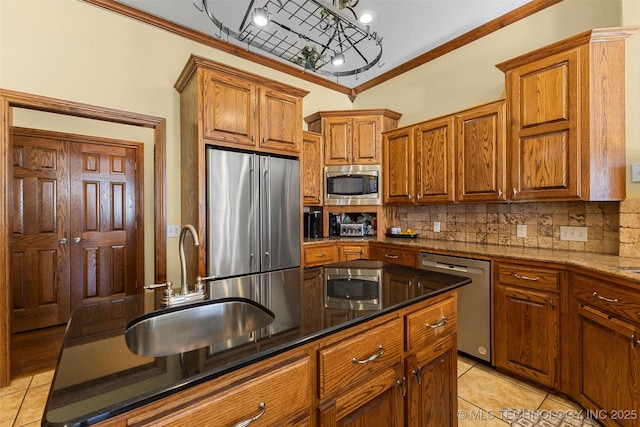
315	375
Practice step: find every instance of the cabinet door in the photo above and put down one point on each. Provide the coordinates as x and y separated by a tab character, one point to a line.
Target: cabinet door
337	140
312	173
351	252
481	154
230	108
397	167
544	97
394	254
432	389
367	140
377	401
527	332
320	254
280	124
609	360
434	161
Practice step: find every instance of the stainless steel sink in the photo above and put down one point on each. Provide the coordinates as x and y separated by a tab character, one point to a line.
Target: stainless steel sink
184	328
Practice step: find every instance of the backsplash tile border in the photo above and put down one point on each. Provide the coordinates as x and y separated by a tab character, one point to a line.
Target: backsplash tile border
612	227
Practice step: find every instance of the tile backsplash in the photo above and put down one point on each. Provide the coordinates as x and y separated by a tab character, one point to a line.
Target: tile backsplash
612	227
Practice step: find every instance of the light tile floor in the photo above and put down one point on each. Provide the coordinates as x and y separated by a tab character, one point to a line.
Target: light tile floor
482	394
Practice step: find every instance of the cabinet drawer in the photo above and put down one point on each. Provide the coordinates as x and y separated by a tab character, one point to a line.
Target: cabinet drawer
529	277
320	254
607	296
429	324
282	399
393	255
346	363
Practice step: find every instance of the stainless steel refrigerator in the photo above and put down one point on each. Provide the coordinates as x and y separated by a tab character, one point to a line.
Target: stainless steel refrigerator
253	213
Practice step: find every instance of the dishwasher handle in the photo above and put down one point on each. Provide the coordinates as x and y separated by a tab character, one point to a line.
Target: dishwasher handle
443	266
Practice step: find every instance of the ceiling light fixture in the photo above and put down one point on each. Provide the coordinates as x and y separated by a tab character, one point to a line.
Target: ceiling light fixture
337	59
303	32
367	17
260	17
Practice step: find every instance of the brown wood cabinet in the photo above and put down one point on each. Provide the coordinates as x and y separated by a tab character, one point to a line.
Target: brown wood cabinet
481	153
351	251
352	136
319	254
566	115
605	351
223	106
312	173
418	163
393	254
527	321
460	157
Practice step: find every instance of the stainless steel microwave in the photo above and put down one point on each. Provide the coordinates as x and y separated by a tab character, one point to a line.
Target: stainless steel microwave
352	185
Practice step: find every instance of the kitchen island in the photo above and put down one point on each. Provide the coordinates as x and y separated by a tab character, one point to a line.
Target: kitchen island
330	362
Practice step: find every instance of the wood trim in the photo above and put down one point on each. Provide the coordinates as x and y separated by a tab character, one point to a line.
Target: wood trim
12	99
207	40
463	40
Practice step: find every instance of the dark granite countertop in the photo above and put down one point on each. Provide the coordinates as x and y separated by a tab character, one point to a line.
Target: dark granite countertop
97	377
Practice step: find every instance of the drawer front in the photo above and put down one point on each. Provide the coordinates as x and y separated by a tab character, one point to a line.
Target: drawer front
428	325
393	255
529	277
273	394
609	297
320	254
352	360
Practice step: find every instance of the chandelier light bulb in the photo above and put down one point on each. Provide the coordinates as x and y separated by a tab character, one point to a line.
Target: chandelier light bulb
337	59
260	17
367	17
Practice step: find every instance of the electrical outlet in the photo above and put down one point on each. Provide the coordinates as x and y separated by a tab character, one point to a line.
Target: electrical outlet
635	172
576	234
436	226
173	230
522	230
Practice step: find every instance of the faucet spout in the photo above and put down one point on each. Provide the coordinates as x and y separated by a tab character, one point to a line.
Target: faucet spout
187	228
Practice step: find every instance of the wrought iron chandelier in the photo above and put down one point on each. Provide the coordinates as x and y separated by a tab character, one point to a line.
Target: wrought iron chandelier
325	38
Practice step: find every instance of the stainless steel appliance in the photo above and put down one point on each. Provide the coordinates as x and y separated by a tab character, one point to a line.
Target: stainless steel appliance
313	224
253	213
353	230
352	185
474	301
354	288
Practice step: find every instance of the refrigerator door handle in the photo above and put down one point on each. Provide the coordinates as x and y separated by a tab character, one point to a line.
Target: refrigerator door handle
265	196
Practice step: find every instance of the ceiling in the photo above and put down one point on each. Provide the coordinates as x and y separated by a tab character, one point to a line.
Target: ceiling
406	30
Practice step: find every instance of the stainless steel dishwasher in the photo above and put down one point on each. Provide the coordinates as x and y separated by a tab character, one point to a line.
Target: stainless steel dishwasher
474	301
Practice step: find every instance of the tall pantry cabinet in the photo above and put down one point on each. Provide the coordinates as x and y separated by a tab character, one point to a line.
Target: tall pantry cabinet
227	107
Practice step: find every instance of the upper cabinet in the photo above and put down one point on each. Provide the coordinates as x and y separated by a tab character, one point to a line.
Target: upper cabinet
460	157
236	109
566	119
311	169
352	136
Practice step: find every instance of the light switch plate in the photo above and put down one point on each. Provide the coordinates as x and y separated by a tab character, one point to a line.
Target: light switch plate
173	230
436	226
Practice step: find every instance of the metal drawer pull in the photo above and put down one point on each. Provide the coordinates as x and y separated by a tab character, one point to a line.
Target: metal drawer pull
527	302
600	297
634	341
370	358
321	255
262	407
418	374
533	279
443	321
391	256
403	385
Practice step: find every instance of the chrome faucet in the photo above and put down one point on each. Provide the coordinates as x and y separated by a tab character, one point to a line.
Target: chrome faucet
183	263
169	298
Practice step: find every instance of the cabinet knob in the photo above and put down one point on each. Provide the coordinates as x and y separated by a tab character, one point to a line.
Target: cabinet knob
63	241
418	374
634	341
499	193
402	383
515	192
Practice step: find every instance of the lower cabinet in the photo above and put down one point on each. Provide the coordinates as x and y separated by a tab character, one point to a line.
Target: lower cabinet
348	252
607	329
393	254
527	322
432	391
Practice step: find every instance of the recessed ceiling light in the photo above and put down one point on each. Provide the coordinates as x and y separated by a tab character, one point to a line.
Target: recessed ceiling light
367	17
260	17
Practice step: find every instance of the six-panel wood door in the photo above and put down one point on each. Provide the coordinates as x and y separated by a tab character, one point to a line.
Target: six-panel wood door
74	226
39	253
102	226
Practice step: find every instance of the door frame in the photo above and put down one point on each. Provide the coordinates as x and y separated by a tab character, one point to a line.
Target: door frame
13	99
